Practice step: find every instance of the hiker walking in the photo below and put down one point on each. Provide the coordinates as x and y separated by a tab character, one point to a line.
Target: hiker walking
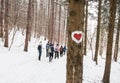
61	51
47	46
51	52
64	50
40	51
57	51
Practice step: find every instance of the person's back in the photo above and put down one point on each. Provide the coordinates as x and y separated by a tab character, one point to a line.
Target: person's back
52	48
61	48
64	49
51	52
57	51
47	47
40	48
57	48
40	51
61	51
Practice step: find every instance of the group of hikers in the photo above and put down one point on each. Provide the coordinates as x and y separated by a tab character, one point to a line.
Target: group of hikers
52	50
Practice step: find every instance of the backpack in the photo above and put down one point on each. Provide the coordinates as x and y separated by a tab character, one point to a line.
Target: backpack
49	50
61	48
39	47
47	46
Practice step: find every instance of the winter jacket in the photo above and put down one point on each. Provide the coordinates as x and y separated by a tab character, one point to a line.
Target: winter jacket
64	49
47	46
57	48
40	48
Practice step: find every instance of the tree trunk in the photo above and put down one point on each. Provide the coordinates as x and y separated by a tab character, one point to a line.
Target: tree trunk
29	25
106	77
86	22
35	18
52	20
1	18
49	13
59	27
98	33
6	22
102	41
117	41
75	51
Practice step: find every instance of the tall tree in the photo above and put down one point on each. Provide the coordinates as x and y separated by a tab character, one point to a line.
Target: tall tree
1	18
104	26
49	19
106	77
98	33
6	22
52	21
29	25
16	11
117	38
75	51
86	22
35	18
59	27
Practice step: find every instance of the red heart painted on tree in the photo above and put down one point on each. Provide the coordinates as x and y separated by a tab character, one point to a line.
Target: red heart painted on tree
78	36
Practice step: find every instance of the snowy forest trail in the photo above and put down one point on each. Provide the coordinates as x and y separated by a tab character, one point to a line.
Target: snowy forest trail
22	67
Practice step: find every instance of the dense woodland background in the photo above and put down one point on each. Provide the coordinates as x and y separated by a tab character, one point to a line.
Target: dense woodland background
56	19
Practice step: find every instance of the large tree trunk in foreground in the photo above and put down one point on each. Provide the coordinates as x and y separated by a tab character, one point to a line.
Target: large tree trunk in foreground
75	51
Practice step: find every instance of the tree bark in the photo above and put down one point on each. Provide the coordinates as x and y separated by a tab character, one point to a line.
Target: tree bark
52	20
75	51
86	22
117	41
29	25
6	22
35	18
1	18
106	77
98	33
59	27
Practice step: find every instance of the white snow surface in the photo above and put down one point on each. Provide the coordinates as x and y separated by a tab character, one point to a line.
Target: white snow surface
17	66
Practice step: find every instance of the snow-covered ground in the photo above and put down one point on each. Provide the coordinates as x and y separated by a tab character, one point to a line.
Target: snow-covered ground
94	73
17	66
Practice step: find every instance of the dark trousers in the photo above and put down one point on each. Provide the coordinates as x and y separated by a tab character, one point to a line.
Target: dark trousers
56	54
64	52
61	53
47	54
39	58
50	57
